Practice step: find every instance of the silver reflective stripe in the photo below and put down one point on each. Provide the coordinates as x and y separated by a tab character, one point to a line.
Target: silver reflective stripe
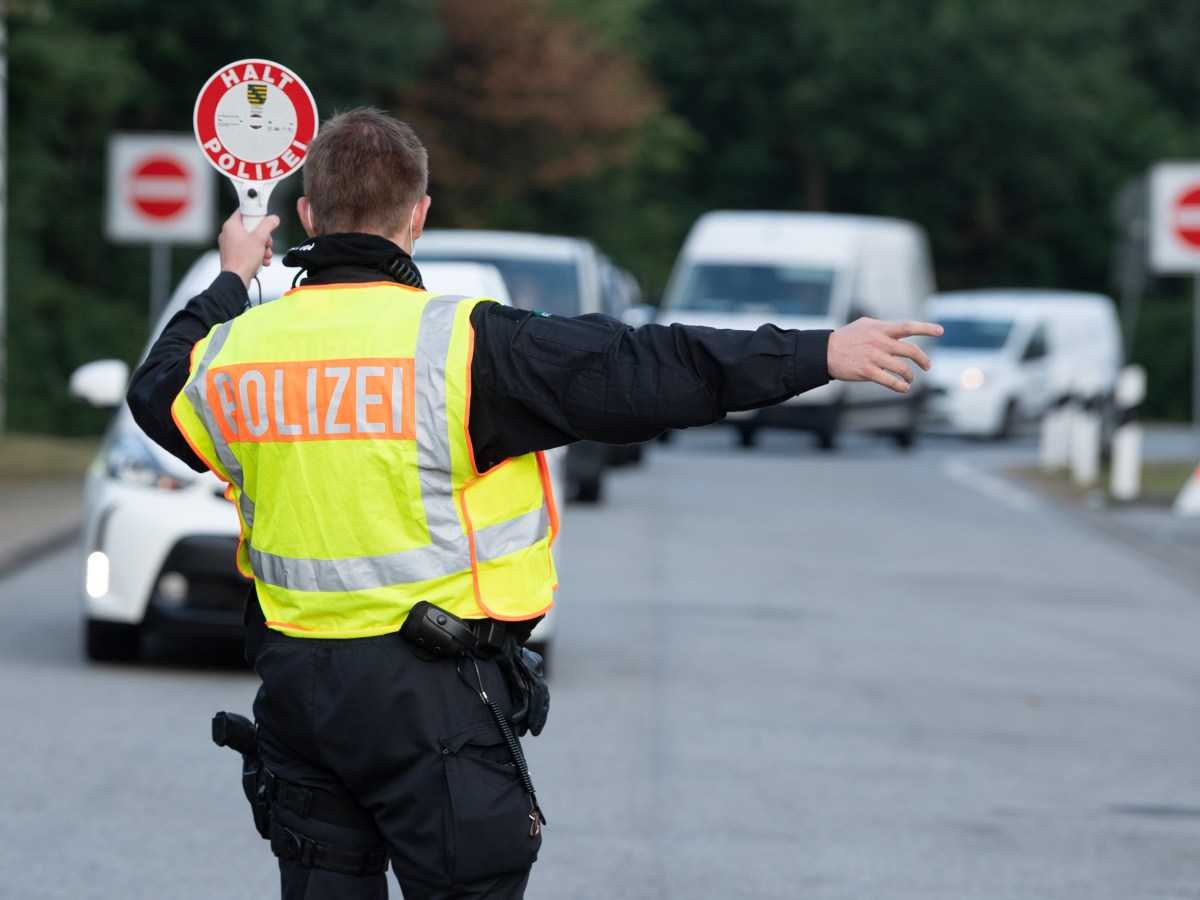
359	573
508	537
196	392
433	427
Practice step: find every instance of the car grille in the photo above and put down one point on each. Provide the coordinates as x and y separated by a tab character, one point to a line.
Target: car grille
208	563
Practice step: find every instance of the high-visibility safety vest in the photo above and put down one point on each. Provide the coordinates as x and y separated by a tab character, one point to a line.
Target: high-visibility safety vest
338	417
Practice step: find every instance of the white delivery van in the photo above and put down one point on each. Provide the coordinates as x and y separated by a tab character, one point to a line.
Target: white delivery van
1007	355
806	270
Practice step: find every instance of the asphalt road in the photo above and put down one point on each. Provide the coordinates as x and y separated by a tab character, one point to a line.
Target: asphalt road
778	674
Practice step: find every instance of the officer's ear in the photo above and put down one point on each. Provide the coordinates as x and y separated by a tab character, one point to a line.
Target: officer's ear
306	217
420	211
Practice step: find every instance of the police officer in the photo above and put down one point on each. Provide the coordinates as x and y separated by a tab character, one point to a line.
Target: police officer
382	446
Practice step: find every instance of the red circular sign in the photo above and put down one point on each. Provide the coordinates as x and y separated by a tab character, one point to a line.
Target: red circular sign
1187	217
159	187
254	120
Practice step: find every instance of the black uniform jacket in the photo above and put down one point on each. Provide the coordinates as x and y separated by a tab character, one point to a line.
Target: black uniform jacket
537	381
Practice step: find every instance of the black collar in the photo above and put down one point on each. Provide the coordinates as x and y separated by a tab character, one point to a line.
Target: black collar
363	251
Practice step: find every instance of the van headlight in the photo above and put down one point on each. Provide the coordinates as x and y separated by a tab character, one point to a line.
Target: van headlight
971	379
129	458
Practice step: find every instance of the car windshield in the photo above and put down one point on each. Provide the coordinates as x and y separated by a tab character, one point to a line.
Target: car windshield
551	287
975	334
772	289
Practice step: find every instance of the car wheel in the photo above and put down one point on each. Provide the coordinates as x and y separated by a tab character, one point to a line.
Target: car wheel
112	641
906	438
828	428
746	435
827	438
589	489
1008	422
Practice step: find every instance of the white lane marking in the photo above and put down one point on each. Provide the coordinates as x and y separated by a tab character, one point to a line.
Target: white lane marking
990	485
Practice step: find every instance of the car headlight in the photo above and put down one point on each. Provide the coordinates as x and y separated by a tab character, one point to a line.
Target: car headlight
971	379
129	458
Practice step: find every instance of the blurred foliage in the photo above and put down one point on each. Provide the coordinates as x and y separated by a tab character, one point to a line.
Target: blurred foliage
1003	126
1163	346
520	102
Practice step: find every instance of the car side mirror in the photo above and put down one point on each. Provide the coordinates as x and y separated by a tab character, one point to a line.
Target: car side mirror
100	383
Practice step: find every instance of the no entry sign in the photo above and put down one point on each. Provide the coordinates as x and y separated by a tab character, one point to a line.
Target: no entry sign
160	190
1185	217
160	187
1174	218
254	120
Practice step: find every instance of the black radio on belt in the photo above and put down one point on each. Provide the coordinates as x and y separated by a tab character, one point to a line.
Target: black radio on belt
445	634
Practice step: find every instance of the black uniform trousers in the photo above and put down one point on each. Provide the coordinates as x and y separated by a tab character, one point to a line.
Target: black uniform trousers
407	737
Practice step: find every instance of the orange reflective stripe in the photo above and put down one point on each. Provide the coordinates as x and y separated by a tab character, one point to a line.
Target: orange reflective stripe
548	489
314	400
273	624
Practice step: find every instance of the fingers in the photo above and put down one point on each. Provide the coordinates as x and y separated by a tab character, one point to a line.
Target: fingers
900	382
898	331
871	350
912	329
267	251
242	251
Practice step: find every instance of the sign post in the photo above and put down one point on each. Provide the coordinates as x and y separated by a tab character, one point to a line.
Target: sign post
1174	245
254	120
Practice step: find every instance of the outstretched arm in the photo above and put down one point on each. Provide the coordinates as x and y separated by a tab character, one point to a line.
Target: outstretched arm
871	350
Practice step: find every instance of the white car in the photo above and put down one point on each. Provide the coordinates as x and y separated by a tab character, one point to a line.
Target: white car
160	538
1008	355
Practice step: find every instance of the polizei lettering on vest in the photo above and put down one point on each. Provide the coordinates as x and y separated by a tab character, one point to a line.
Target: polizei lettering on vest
321	400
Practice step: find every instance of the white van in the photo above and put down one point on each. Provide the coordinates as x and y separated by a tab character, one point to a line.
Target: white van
806	270
1007	355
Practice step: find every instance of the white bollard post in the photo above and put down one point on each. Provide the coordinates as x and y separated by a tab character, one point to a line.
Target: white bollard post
1055	445
1085	445
1125	481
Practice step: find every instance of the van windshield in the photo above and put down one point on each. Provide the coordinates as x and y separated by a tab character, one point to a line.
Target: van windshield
770	289
975	334
551	287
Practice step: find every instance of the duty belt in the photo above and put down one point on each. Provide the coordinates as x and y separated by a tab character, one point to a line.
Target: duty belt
442	633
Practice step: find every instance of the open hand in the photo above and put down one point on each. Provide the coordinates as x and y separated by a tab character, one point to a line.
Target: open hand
871	350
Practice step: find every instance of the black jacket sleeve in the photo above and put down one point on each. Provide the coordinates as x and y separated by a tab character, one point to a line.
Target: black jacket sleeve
542	381
160	378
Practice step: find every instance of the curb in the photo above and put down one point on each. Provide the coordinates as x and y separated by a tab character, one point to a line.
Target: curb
29	549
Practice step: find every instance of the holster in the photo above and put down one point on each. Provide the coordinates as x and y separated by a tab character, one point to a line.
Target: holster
239	733
525	673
